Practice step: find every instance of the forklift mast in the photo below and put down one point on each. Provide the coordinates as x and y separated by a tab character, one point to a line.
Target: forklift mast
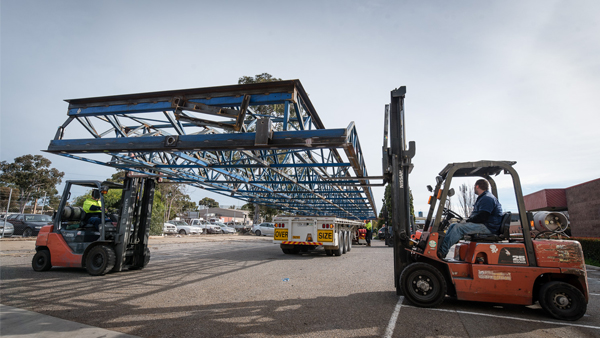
134	221
396	168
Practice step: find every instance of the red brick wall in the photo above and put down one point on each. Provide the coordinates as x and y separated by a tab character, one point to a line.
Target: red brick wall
546	200
584	209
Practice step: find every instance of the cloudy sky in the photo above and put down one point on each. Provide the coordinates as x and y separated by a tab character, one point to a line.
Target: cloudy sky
498	80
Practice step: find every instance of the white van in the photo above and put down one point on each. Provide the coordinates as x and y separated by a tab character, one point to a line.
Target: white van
208	228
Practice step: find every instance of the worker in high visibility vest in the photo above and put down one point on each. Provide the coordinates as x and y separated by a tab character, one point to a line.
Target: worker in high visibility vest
369	228
93	206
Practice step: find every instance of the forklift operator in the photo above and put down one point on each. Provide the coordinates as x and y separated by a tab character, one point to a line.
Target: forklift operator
486	218
93	206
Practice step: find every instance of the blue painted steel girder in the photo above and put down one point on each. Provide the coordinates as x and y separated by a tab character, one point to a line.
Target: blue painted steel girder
205	137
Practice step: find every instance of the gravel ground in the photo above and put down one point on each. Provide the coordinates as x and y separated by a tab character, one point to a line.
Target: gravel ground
228	285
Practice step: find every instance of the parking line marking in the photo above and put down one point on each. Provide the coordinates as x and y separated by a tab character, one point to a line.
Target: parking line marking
508	317
595	294
389	331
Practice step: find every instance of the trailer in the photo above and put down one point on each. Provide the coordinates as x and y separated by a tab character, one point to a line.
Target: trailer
301	234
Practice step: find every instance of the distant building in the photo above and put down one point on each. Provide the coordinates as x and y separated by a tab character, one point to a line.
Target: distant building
582	201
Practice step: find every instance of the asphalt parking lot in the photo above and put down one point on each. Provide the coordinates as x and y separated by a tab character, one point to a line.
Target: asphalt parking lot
244	286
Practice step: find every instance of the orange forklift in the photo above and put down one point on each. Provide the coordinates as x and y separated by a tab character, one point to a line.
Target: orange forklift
488	268
121	240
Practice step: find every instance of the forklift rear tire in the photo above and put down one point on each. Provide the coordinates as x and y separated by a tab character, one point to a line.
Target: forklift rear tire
41	261
562	301
100	260
423	285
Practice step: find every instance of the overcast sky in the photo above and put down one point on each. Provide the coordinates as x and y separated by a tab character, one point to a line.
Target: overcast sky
497	80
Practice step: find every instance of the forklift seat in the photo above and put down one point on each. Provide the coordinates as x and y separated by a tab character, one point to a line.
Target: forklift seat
502	236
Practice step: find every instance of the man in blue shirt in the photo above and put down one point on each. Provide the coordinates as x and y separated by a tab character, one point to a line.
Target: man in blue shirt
485	218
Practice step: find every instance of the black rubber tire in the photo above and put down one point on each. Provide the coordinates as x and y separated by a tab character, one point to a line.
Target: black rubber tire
344	242
329	252
41	260
338	251
182	232
286	251
257	232
27	232
348	241
551	296
423	285
100	260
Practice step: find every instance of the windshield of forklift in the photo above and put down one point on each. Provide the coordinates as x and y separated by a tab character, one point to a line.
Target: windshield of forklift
79	194
462	203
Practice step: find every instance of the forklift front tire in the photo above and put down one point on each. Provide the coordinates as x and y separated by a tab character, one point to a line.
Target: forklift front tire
423	285
562	301
100	260
41	260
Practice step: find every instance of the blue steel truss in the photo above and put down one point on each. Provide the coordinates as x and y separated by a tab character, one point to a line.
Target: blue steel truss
213	138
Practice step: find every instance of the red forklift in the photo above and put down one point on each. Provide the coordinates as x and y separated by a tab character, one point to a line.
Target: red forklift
497	268
120	241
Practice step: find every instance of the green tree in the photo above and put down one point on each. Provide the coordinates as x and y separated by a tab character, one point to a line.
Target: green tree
175	199
157	218
30	174
209	202
276	110
54	201
267	213
387	202
5	192
264	77
118	177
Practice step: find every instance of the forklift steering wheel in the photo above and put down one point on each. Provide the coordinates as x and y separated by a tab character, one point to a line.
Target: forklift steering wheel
449	212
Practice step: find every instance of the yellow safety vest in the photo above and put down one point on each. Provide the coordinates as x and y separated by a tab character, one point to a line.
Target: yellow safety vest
88	203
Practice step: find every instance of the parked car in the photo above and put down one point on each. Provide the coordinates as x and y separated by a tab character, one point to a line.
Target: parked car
226	229
264	229
8	231
185	229
28	224
240	227
169	228
208	227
